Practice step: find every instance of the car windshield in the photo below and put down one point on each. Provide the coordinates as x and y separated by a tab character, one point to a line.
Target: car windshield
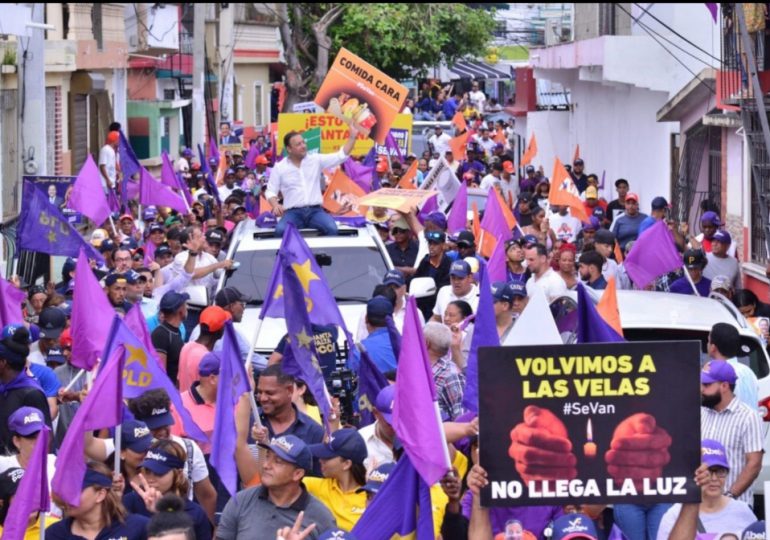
351	272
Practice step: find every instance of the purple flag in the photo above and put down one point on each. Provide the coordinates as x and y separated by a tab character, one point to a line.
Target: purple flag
102	408
370	382
616	533
129	163
149	253
210	182
213	149
497	265
155	193
591	327
415	413
392	512
43	228
428	207
458	215
167	174
11	300
251	157
233	382
391	144
652	255
360	174
32	493
91	321
143	370
494	222
300	358
87	195
713	9
484	335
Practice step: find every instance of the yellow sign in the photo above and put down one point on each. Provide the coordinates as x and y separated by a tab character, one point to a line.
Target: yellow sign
403	200
335	132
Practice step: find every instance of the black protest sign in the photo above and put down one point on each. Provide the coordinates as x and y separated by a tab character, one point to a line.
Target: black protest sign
590	423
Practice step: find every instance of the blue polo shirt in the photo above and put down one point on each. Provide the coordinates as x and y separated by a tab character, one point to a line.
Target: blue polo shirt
380	350
47	379
134	504
134	528
682	286
303	427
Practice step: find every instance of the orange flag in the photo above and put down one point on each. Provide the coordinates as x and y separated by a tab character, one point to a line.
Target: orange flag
407	180
531	151
618	253
564	193
507	212
577	153
608	306
340	190
221	169
500	137
476	223
458	145
264	206
459	122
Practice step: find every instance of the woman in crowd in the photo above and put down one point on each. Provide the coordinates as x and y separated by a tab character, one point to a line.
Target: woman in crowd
567	269
170	521
540	229
454	315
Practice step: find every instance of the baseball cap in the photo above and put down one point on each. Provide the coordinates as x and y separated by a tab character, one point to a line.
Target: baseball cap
525	197
171	301
170	220
9	481
162	249
209	365
56	355
399	223
394	277
132	276
436	237
65	339
711	217
755	531
573	526
25	421
214	236
292	449
230	172
460	269
382	166
345	443
227	296
632	197
501	292
464	237
659	203
722	236
160	462
95	478
721	282
376	478
603	236
214	317
155	227
694	258
592	193
578	161
106	245
384	402
113	278
508	167
129	242
718	371
592	224
51	321
713	453
126	216
136	436
379	306
337	534
261	160
473	262
438	219
530	168
149	213
98	236
186	152
159	417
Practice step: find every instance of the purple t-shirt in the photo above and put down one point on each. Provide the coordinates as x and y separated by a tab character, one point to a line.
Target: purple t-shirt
682	286
533	518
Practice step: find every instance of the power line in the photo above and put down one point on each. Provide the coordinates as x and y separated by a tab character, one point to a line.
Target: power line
646	11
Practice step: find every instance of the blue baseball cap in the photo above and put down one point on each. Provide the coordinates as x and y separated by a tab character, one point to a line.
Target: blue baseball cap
136	436
379	306
713	454
394	277
94	478
114	278
505	292
171	301
755	531
460	269
160	462
149	213
573	526
292	449
438	219
384	402
159	417
718	371
376	478
209	365
55	355
722	236
25	421
106	245
345	443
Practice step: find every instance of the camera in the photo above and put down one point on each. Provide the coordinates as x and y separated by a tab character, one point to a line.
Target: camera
342	384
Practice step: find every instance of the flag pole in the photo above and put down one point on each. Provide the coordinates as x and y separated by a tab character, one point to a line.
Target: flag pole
249	356
112	224
689	278
74	380
118	437
42	525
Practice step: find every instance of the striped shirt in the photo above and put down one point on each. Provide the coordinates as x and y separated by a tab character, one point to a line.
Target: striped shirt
739	429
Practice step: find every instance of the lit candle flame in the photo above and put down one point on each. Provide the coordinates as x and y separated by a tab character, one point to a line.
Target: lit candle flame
590	431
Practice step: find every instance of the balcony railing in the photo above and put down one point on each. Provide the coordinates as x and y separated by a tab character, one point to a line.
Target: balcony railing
733	84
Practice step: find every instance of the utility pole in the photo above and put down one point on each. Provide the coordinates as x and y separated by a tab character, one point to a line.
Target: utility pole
32	96
199	75
225	48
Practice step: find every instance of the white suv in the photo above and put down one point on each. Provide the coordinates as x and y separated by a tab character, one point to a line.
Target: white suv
353	263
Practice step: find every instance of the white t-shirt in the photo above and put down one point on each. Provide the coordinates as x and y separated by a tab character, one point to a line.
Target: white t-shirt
566	228
12	462
440	143
733	518
108	158
487	145
182	165
609	269
489	181
552	284
478	99
446	296
203	259
377	451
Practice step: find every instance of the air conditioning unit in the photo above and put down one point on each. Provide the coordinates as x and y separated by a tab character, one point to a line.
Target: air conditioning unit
133	41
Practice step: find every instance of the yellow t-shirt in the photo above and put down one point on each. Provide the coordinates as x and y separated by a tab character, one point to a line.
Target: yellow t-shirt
346	508
438	500
33	531
461	463
314	412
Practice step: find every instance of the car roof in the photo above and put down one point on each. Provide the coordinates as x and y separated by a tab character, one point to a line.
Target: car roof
348	237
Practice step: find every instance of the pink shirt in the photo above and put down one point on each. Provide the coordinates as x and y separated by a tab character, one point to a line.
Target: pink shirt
189	359
202	414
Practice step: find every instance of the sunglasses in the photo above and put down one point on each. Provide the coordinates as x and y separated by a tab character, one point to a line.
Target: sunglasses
399	230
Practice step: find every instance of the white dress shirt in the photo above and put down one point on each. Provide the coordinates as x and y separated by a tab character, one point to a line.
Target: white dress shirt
301	186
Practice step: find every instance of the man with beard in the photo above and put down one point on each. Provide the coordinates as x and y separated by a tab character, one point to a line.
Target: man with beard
734	424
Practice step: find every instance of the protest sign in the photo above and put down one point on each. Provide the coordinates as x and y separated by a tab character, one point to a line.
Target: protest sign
357	92
403	200
445	181
597	423
305	106
335	132
342	190
234	148
57	189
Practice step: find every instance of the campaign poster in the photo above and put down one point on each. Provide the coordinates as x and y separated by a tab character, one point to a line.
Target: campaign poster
358	93
403	200
441	178
401	138
597	423
58	189
335	132
340	191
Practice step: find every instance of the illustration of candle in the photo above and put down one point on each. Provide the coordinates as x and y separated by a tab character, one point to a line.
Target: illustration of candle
589	448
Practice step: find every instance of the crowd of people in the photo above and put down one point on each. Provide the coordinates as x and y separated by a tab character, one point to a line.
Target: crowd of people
297	479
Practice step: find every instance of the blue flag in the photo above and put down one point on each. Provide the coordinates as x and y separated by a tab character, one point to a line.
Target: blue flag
591	327
44	229
370	382
300	357
142	370
233	382
206	170
394	508
484	335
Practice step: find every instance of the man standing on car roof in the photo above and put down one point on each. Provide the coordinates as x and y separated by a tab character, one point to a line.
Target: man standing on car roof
298	180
